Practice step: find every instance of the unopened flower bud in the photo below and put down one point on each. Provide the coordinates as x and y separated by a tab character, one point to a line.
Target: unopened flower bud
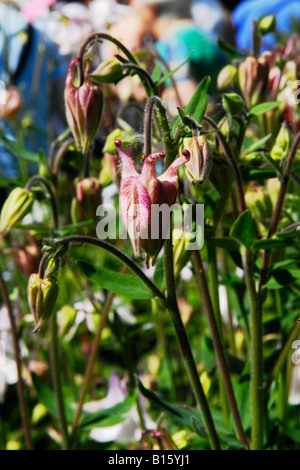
253	79
282	144
227	77
198	167
83	109
11	103
88	197
267	24
182	253
233	103
16	206
109	71
42	295
259	202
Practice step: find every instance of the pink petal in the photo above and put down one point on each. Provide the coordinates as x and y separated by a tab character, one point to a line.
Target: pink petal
135	208
128	168
169	180
148	174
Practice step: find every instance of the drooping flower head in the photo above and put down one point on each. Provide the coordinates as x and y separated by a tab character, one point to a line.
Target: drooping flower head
139	193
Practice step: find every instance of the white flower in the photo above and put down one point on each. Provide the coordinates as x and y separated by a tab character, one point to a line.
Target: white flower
128	430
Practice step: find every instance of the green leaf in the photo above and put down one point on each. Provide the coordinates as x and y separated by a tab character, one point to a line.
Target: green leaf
197	104
169	74
262	108
258	145
191	417
243	229
230	244
159	274
125	285
19	151
271	243
156	74
184	416
109	416
230	51
255	174
46	396
282	278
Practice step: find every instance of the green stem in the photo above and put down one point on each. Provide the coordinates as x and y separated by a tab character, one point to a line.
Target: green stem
278	208
91	360
39	179
103	36
57	382
186	348
256	330
21	395
142	73
218	346
79	239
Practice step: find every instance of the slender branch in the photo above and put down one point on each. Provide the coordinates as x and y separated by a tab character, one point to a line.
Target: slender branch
91	359
57	381
142	73
60	155
39	179
218	346
231	161
21	395
99	37
186	348
278	208
114	251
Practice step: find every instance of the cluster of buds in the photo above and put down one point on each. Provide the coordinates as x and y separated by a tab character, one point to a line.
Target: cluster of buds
16	206
139	193
83	108
42	295
282	144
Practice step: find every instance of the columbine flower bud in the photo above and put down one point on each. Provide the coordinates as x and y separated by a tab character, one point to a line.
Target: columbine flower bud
109	71
182	254
253	78
282	144
11	103
83	109
138	194
88	197
259	202
267	24
16	206
42	295
227	77
233	103
198	167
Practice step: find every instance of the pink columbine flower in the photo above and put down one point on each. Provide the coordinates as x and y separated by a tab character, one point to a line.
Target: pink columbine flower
139	192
